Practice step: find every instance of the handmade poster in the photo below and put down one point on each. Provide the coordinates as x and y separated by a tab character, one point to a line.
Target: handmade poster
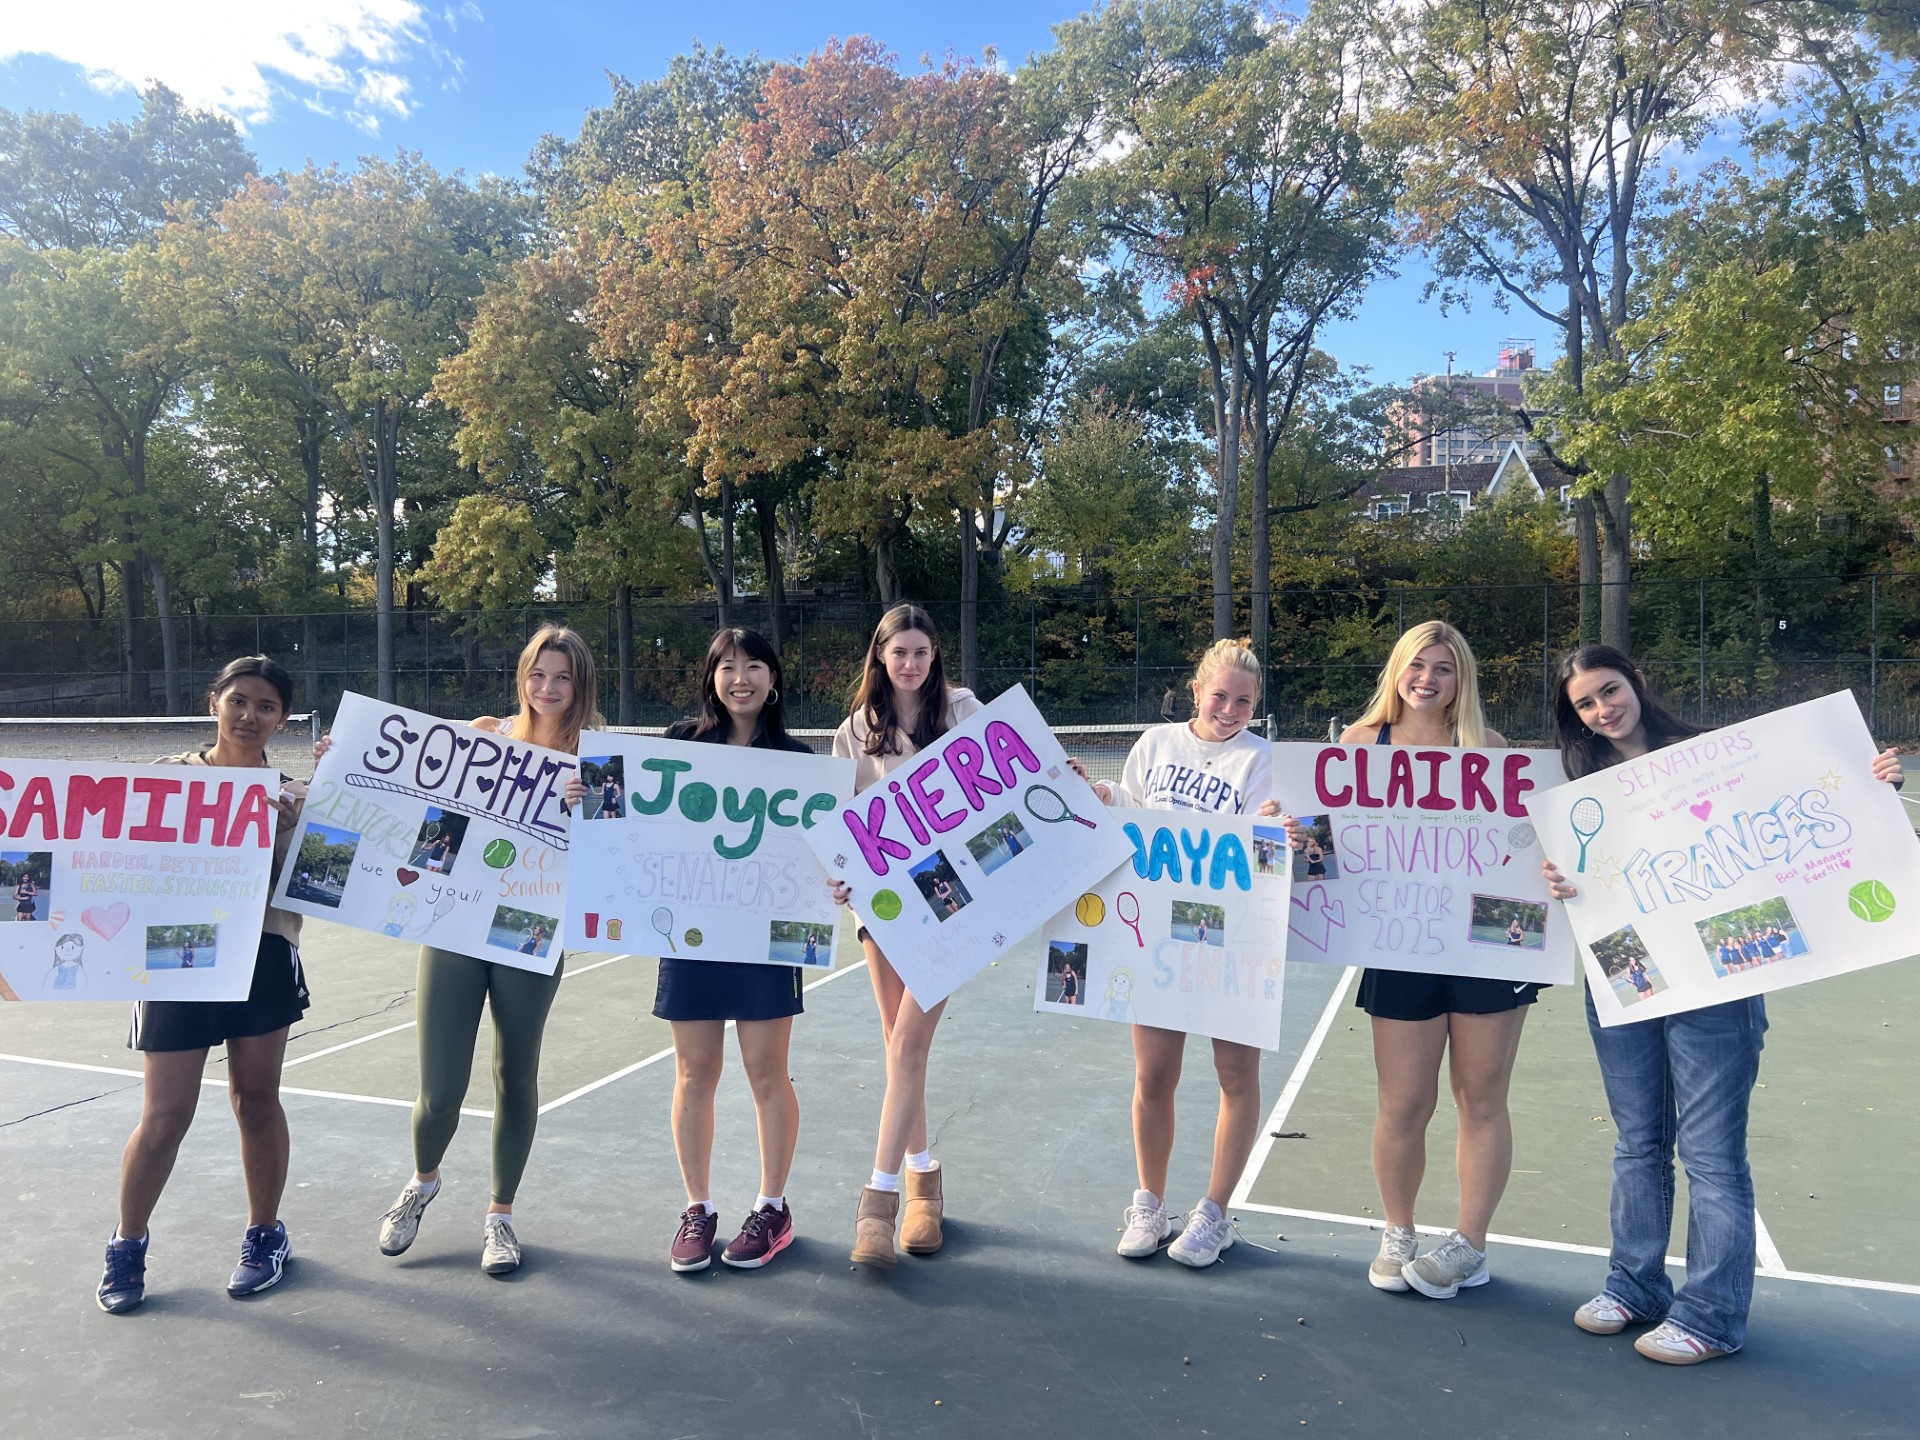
437	833
1749	859
696	850
967	847
1420	859
133	882
1189	934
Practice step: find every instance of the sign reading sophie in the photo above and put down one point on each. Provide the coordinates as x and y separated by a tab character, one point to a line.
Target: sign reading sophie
1748	859
967	847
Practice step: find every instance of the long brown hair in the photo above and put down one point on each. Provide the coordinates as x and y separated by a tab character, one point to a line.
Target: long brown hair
873	696
1582	751
584	714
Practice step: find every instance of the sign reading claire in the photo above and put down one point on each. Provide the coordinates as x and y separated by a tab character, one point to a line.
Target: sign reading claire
1422	859
967	847
141	882
1748	859
431	830
1191	935
697	847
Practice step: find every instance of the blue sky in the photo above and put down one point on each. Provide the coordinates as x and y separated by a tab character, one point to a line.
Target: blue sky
472	84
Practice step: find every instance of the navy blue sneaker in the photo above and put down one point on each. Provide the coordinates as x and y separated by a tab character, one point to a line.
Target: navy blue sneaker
263	1259
124	1285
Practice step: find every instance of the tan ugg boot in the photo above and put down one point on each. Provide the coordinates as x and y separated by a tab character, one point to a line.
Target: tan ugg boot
873	1227
920	1226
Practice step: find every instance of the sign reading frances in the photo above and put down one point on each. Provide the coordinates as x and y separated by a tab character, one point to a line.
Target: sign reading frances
1422	858
969	846
133	882
430	830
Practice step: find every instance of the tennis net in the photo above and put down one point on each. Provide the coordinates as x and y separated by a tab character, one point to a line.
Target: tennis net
140	739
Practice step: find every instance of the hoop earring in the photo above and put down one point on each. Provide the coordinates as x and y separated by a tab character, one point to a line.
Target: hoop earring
773	696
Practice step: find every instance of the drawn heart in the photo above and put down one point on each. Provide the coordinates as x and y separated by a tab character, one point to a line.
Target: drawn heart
1313	908
431	762
106	921
484	783
409	736
461	743
1702	810
1336	913
406	876
525	782
1846	864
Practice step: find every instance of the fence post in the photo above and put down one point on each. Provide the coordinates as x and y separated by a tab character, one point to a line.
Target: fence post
1033	650
1546	660
426	678
1136	659
1873	662
800	666
1702	637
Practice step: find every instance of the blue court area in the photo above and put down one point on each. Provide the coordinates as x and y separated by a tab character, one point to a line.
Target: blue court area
1027	1324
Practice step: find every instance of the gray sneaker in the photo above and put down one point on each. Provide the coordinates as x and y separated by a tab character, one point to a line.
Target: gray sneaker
1203	1240
1149	1223
1397	1249
501	1254
1604	1315
1450	1267
401	1224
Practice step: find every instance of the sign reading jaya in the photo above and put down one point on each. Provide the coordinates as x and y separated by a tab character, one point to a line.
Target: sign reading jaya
1422	858
133	882
1749	859
1190	935
698	848
433	831
968	846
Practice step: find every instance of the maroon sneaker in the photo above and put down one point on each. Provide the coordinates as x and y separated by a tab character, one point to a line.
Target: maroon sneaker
767	1232
693	1246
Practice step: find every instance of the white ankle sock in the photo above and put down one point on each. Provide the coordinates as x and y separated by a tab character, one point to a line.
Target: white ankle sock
883	1181
493	1219
778	1202
426	1187
921	1160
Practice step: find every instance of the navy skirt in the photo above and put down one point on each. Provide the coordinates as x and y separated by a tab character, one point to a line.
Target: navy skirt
720	990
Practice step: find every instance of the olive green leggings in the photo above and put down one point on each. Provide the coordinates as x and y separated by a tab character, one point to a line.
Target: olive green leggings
450	991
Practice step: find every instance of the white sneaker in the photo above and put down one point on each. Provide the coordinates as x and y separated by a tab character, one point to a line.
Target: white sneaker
1149	1223
501	1254
1206	1238
1450	1267
1604	1315
1397	1248
1671	1345
401	1224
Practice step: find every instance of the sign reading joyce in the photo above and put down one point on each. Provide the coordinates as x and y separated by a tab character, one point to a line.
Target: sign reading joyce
1191	935
966	848
1749	859
133	882
1422	859
431	830
696	850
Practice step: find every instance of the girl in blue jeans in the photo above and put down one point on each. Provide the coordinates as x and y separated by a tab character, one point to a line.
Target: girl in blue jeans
1674	1082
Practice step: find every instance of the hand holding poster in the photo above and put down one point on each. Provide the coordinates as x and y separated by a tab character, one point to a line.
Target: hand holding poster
1422	859
1748	859
433	831
1191	935
969	846
698	847
133	882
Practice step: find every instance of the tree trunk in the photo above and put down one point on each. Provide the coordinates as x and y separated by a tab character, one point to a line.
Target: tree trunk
1616	563
969	601
1260	557
885	578
169	641
727	573
1586	533
719	578
765	513
625	699
383	487
1227	390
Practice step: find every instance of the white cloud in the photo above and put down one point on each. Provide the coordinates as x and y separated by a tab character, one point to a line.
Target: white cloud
243	58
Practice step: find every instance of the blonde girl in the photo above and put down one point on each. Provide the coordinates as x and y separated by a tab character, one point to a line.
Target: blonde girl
901	705
1212	763
557	684
1428	695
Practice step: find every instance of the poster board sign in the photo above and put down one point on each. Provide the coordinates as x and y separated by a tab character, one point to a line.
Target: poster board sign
1748	859
1422	859
696	850
431	831
967	847
1188	934
133	882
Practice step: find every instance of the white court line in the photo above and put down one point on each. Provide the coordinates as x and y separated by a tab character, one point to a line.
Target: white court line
1291	1090
660	1055
409	1024
221	1084
1806	1277
1765	1251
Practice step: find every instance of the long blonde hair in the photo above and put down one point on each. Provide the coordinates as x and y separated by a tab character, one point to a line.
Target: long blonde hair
584	714
1469	721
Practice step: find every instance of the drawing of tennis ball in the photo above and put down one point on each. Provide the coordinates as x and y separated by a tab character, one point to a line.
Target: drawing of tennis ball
1090	909
499	853
1871	901
692	938
886	905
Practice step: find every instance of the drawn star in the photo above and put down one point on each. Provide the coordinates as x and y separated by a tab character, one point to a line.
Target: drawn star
1606	869
1831	780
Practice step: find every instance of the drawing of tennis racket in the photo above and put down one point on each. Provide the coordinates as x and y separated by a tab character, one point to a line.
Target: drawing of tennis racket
1046	804
663	922
1127	906
1587	818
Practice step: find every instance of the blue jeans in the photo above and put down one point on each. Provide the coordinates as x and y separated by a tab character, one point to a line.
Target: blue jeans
1683	1080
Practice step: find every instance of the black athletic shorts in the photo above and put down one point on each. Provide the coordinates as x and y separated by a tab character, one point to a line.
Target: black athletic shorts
1406	995
277	998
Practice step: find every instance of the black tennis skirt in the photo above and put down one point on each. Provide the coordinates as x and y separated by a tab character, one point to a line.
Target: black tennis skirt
720	990
277	998
1408	995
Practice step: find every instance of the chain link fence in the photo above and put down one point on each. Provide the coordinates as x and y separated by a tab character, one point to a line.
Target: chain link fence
1717	650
